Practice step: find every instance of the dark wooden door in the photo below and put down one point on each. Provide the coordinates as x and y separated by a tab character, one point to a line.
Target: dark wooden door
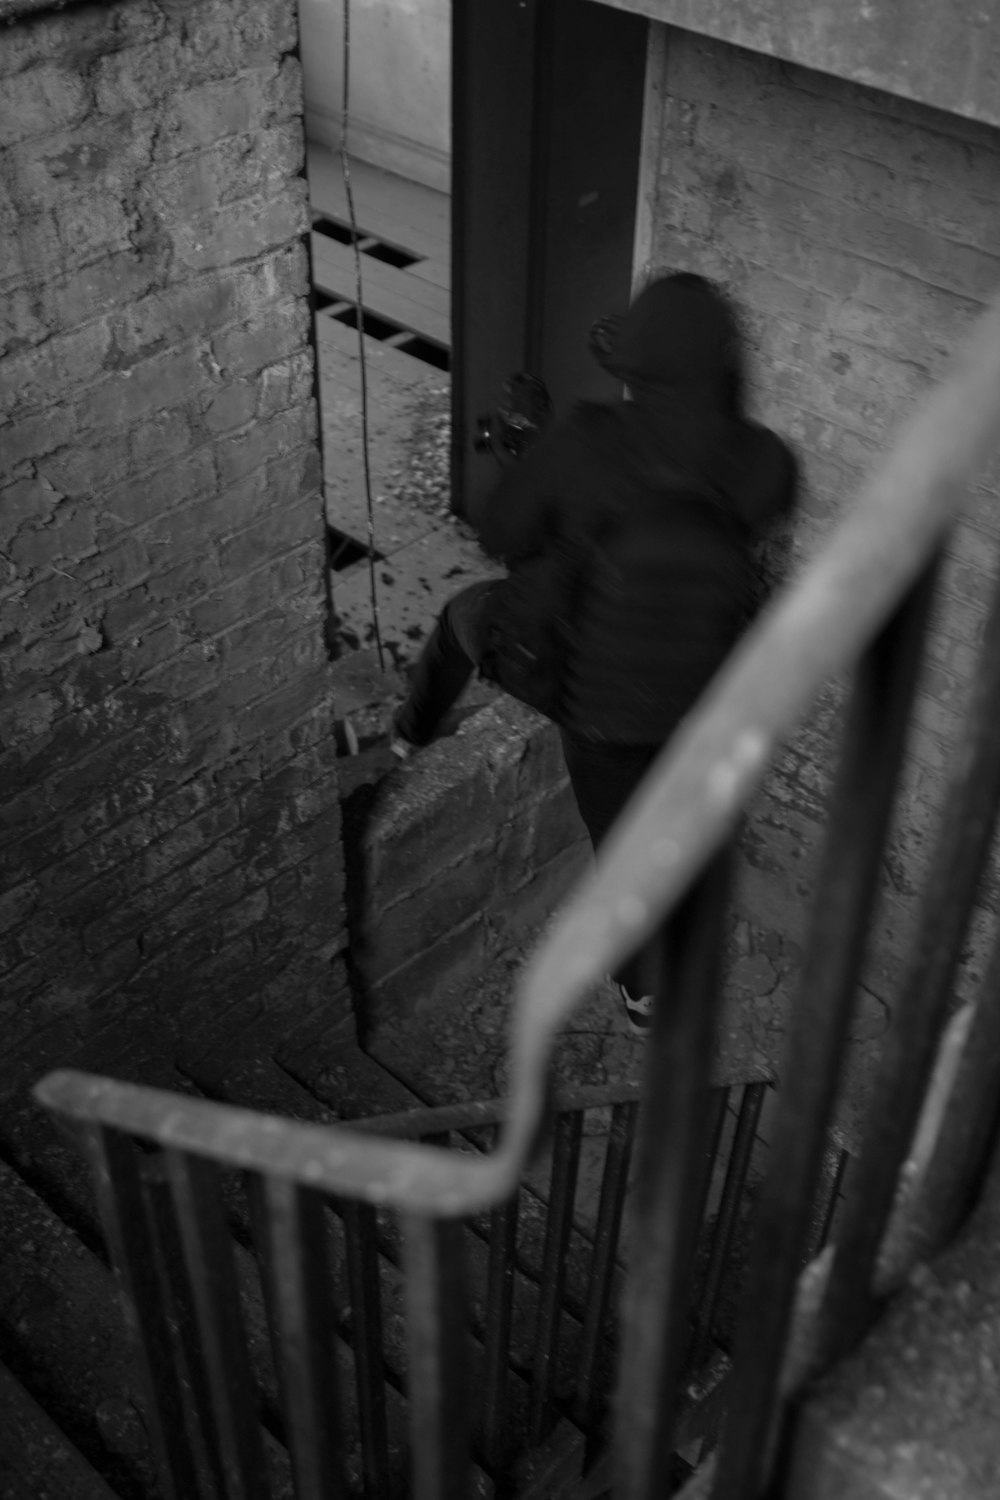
547	102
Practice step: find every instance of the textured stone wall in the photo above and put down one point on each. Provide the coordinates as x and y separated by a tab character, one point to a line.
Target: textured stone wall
167	794
861	234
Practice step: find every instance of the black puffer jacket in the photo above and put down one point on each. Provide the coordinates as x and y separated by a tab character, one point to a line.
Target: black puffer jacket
628	527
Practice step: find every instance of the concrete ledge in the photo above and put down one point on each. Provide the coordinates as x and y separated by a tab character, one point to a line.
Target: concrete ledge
456	858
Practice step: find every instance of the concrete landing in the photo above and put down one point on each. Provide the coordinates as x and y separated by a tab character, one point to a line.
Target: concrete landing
423	553
913	1414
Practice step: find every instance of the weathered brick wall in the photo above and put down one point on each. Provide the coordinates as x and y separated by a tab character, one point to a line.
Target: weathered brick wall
861	234
170	820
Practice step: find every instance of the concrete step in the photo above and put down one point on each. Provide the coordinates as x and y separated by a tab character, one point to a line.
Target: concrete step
37	1459
63	1337
913	1411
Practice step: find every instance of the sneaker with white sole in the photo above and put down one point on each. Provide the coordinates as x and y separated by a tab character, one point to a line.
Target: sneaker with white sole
638	1011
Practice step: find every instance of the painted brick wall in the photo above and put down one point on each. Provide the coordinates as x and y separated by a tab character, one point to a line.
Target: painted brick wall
167	792
861	234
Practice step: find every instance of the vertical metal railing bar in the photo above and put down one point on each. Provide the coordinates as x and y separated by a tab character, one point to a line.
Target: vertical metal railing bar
737	1168
843	904
559	1221
361	1244
674	1124
607	1233
291	1240
123	1209
183	1321
828	1211
500	1277
908	1050
968	1126
437	1338
211	1271
718	1105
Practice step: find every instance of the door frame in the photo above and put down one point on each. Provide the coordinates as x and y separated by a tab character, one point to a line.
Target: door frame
534	150
650	151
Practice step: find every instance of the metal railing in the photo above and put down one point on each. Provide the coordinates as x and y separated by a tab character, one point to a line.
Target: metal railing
661	880
294	1342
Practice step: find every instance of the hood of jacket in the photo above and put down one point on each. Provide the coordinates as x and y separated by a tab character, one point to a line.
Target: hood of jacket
679	352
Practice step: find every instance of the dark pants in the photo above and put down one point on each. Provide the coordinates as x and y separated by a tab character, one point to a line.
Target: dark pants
448	660
603	775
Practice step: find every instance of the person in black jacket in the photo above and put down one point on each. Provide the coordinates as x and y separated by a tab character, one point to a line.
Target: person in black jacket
626	531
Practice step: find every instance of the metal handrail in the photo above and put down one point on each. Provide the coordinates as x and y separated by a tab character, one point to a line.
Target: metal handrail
683	812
